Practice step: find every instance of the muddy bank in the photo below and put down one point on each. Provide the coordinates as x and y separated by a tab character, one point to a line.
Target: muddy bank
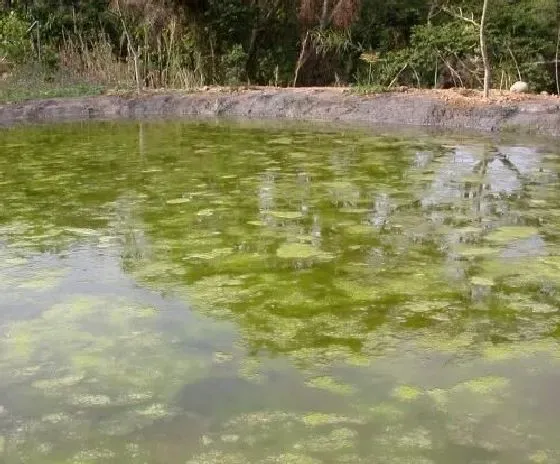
531	114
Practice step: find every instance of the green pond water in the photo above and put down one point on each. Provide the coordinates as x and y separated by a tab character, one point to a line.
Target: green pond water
236	293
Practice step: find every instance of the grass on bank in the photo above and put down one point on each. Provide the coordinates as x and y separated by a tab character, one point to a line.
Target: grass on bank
16	90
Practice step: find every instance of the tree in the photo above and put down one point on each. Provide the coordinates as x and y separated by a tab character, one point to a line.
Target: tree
323	21
557	56
481	26
484	50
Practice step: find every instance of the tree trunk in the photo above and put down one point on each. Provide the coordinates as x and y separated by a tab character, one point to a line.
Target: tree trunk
252	52
484	51
324	15
556	59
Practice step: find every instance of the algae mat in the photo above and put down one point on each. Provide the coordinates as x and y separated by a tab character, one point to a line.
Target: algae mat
217	293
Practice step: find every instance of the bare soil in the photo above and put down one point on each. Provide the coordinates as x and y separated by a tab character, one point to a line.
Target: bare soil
452	109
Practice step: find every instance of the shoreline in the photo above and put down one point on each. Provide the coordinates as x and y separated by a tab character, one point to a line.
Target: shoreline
519	114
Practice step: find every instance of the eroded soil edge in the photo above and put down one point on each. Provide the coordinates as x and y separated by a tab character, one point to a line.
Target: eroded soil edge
527	114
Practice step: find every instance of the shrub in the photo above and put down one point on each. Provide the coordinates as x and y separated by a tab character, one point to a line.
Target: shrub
15	42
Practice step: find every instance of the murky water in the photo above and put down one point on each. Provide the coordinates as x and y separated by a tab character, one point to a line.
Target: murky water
203	293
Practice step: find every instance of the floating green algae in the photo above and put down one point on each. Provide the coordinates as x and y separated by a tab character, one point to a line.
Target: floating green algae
291	458
207	212
507	234
486	385
178	201
406	393
481	281
356	290
182	328
319	419
543	457
216	253
281	141
218	289
56	383
354	210
93	455
360	229
521	350
331	385
388	412
286	214
250	369
416	439
46	280
471	252
419	307
301	251
86	400
338	439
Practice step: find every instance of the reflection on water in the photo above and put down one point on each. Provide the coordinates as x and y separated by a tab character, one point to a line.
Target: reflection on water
205	293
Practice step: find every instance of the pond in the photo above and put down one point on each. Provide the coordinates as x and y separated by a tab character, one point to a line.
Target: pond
203	292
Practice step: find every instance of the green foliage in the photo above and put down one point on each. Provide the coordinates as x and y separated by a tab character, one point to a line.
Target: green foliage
15	43
187	44
433	49
233	63
523	38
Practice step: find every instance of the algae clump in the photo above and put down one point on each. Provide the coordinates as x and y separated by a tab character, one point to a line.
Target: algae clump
301	251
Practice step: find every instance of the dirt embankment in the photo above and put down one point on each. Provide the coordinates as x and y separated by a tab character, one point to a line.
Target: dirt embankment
445	109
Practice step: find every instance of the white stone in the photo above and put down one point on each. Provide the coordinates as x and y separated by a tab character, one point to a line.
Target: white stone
519	87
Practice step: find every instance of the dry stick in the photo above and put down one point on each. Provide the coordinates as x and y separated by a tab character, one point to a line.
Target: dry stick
84	53
146	58
39	41
460	15
453	73
213	59
435	74
515	62
170	61
417	77
472	72
301	57
36	25
397	76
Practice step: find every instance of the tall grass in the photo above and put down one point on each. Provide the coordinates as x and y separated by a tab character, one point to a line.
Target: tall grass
82	66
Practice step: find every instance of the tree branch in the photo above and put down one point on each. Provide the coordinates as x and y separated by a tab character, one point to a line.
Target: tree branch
461	16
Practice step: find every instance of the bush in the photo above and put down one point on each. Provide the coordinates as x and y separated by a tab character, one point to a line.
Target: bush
234	62
15	42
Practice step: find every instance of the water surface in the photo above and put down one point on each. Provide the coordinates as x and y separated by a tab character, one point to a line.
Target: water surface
218	293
